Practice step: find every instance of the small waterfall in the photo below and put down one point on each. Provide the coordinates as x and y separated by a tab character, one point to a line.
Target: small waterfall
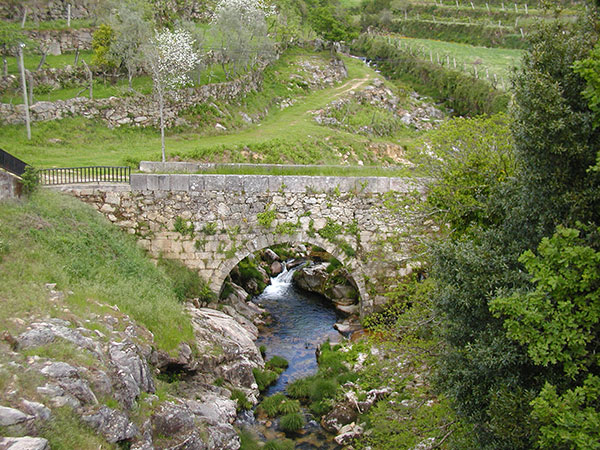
282	281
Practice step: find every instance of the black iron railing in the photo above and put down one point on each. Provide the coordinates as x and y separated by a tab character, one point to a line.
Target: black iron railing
12	164
91	174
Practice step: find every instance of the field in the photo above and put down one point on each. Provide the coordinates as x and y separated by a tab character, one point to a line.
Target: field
497	60
287	135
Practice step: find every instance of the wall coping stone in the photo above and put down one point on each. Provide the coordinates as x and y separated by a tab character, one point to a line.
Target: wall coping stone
272	183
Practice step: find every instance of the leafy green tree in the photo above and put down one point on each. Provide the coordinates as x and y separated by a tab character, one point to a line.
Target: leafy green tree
102	39
10	36
589	69
467	159
558	321
493	380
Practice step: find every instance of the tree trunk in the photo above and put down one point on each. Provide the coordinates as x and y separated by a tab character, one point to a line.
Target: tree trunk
24	85
24	17
69	15
129	78
162	124
76	56
42	60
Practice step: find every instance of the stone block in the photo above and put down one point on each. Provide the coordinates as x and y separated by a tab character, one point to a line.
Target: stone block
196	183
138	182
234	183
256	183
159	182
215	182
180	182
275	182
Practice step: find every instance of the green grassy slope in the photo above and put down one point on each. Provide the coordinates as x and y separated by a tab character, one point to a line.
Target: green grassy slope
53	238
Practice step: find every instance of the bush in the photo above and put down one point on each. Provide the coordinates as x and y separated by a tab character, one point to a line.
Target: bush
323	388
264	378
277	363
242	401
30	180
299	388
320	408
278	404
292	422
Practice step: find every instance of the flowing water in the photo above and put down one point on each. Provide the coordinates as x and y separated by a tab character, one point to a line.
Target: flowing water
300	322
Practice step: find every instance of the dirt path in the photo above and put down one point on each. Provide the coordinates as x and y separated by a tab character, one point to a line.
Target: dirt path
357	83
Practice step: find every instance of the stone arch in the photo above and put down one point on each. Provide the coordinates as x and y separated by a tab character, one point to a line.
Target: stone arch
271	239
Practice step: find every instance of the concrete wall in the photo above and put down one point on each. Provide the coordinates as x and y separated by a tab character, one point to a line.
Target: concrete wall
10	186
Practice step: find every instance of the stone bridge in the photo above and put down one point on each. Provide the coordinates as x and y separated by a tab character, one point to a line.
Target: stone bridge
212	222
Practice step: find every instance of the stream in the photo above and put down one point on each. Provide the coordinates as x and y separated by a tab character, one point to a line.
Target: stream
300	322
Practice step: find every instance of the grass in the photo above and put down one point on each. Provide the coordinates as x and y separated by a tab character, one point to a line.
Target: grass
53	61
53	238
284	136
498	60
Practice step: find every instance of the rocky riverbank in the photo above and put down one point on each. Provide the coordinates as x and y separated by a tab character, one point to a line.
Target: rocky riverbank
132	394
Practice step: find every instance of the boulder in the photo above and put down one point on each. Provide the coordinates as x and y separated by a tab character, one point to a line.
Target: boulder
270	256
226	348
276	268
341	414
11	416
23	443
312	278
348	433
112	424
38	410
131	374
42	333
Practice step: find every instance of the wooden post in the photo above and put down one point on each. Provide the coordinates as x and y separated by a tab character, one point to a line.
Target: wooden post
69	15
517	22
457	6
448	60
472	6
476	73
502	6
454	61
24	85
76	56
516	9
526	10
30	87
430	55
487	73
522	34
488	7
90	77
24	17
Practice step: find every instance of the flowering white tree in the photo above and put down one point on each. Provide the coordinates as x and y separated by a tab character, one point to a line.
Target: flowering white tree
170	56
241	26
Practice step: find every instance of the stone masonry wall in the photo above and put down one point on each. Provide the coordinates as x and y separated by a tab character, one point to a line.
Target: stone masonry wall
138	110
9	185
211	222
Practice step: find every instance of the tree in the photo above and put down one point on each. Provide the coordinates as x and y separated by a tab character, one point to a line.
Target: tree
102	39
169	57
10	37
132	27
241	28
493	379
558	321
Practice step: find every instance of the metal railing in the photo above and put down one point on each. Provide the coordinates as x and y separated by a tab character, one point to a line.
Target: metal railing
90	174
12	164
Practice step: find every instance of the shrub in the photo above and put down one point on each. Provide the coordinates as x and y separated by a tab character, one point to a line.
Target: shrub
323	388
292	422
242	401
320	408
277	362
270	405
264	378
299	388
30	180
